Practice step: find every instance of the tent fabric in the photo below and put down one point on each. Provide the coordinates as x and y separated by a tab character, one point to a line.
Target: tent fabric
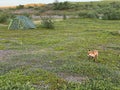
21	22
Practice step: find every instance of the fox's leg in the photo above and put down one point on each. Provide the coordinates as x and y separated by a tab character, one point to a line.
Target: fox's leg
89	58
95	58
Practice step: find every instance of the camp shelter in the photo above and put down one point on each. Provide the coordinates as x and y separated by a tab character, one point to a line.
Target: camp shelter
21	22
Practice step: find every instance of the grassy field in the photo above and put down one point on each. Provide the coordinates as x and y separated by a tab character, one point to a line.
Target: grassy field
43	59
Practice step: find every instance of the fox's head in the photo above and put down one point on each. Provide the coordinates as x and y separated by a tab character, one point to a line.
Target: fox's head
93	54
89	52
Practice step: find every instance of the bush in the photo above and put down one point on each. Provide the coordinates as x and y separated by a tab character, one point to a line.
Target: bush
20	7
91	15
82	14
106	12
3	17
62	5
27	15
109	13
47	22
112	16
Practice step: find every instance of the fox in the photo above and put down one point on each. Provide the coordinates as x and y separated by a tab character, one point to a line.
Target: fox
93	54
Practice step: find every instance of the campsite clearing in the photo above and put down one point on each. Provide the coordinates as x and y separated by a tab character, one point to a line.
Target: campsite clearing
41	55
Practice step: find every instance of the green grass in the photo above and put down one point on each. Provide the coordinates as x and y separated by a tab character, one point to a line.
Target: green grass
36	57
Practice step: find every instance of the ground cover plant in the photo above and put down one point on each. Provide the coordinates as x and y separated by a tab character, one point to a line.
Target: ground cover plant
46	59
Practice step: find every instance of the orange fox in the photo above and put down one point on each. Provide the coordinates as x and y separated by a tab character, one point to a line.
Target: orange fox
93	54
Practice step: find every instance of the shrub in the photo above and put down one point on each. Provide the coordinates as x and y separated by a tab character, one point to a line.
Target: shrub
91	15
61	5
20	7
109	13
47	22
3	17
27	15
115	15
82	14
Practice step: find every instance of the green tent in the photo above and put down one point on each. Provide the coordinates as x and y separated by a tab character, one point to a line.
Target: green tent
21	22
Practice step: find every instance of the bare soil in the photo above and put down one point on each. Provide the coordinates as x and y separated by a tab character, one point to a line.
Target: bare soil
72	78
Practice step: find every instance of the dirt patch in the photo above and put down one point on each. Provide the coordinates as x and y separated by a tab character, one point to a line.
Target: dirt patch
72	78
4	54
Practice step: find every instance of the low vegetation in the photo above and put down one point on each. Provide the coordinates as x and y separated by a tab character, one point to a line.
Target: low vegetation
106	10
57	59
47	22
